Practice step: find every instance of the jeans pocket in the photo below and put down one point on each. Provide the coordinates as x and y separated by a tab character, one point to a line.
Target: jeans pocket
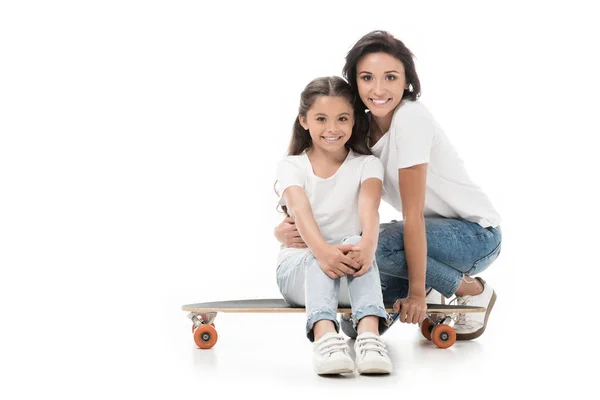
484	262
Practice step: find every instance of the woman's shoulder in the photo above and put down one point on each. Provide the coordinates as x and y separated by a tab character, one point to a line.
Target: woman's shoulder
411	117
408	108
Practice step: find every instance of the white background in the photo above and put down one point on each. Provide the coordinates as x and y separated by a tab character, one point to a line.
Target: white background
138	148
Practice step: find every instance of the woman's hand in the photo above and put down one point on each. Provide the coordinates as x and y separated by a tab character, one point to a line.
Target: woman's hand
412	309
334	262
287	234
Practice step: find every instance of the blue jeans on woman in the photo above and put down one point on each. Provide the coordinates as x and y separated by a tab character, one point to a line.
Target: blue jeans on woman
455	248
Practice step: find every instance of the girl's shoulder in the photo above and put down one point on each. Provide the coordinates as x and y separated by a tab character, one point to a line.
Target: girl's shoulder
362	158
299	160
297	163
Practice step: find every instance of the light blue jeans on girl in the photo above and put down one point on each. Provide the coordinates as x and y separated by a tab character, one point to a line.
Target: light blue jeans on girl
455	248
303	283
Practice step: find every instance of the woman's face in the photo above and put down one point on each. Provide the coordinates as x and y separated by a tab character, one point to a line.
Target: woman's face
381	82
329	122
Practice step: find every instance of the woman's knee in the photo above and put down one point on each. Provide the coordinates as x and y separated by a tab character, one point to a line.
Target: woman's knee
391	238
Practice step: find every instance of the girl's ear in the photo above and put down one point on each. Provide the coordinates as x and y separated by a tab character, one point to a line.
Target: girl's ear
303	122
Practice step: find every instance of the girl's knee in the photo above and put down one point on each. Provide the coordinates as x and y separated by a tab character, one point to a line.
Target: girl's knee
351	239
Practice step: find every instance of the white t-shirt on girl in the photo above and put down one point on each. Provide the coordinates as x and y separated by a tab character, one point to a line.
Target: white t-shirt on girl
416	138
334	200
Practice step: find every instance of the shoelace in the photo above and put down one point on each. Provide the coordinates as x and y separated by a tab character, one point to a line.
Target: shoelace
370	344
332	345
462	317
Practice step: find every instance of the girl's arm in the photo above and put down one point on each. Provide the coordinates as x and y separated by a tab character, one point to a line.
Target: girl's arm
412	194
331	258
369	199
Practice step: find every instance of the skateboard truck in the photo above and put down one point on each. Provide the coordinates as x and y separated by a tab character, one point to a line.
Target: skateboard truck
201	319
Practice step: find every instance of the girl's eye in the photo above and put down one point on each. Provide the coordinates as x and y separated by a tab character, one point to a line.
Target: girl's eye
366	78
343	119
391	77
321	119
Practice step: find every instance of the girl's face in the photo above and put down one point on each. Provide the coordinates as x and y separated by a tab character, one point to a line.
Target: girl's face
381	82
329	122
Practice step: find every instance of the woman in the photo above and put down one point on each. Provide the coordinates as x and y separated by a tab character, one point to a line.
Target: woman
449	231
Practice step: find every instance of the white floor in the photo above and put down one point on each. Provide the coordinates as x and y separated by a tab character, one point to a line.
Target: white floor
134	341
112	349
268	354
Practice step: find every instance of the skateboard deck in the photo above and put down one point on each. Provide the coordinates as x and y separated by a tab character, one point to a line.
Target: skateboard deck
280	305
437	327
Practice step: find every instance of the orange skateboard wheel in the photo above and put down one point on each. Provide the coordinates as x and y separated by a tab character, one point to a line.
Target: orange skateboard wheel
205	336
426	328
443	336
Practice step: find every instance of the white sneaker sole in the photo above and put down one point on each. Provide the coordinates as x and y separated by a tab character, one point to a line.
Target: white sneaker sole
338	367
479	332
374	367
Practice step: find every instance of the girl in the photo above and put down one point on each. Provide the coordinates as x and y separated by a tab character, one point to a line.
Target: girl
450	230
332	188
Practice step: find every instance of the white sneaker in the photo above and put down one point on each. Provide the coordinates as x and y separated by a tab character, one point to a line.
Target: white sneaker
472	325
332	355
435	297
371	355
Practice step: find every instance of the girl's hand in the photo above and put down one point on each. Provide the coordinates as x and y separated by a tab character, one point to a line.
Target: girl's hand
287	234
411	309
334	262
363	253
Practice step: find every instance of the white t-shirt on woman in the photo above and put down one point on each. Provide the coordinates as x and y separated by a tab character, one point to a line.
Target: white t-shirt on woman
415	138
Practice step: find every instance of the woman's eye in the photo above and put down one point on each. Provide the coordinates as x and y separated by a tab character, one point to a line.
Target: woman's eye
391	78
343	119
321	119
366	78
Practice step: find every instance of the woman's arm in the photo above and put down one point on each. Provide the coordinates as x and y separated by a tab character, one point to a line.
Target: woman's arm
369	199
331	258
287	234
412	194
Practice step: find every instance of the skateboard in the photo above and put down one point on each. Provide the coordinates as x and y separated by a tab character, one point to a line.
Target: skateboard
437	327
